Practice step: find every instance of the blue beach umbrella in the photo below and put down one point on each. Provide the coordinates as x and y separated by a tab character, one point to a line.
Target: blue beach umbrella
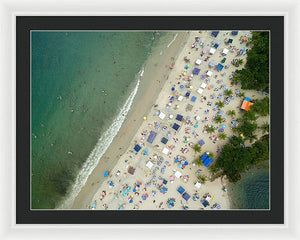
173	89
181	86
196	125
106	174
223	126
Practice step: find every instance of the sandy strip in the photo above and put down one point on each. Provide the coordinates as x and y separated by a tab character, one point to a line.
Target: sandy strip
148	194
156	70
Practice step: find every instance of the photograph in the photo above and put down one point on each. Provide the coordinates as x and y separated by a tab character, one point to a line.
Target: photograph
150	120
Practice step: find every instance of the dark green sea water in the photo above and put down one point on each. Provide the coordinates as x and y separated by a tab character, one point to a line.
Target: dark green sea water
252	192
79	83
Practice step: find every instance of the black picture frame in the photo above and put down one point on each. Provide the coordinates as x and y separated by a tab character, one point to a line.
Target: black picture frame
24	24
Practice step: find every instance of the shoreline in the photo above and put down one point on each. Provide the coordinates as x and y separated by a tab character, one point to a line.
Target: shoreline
159	92
141	106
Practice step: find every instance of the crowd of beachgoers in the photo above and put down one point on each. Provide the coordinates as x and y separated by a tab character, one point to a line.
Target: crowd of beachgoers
159	170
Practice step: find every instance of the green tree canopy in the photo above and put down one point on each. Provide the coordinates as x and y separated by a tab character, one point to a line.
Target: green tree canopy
262	106
197	148
231	113
246	127
228	93
220	104
250	115
210	129
236	158
223	136
255	75
218	119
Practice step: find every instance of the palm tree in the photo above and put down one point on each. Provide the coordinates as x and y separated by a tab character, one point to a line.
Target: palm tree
199	162
211	155
242	95
210	129
197	148
223	136
240	61
236	78
252	137
220	104
265	127
202	179
231	113
218	119
250	115
228	93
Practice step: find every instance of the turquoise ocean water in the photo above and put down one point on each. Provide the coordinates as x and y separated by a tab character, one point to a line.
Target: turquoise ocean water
80	81
252	192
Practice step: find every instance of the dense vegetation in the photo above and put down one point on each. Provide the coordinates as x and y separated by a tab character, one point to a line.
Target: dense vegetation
255	75
261	107
237	158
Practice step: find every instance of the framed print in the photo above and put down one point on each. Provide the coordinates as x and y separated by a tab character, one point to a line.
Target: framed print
150	119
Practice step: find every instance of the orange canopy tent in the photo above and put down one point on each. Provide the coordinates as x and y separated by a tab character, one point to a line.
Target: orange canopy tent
246	105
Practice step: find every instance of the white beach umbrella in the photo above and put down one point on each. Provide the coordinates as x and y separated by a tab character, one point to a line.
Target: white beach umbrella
180	98
200	90
149	164
162	115
212	51
178	174
165	151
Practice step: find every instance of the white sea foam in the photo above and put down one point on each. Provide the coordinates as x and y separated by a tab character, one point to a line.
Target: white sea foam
141	72
100	148
173	40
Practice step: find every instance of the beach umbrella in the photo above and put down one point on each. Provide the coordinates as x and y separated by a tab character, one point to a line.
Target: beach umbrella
106	174
94	205
191	87
171	116
221	130
178	106
196	125
173	89
188	65
171	66
145	118
181	86
223	126
202	76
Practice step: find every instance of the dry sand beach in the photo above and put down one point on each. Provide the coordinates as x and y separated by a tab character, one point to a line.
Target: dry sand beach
149	179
